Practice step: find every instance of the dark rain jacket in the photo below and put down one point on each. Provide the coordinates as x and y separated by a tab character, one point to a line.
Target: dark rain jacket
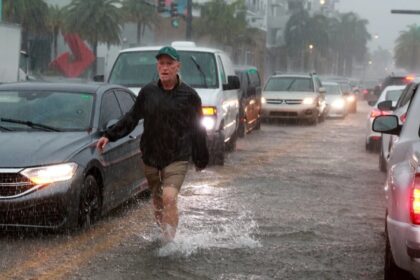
172	125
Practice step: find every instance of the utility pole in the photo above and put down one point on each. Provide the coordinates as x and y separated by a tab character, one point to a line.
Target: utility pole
407	12
188	20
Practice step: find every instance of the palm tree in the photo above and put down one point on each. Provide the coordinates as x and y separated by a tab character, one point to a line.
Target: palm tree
141	13
96	21
224	23
55	24
407	49
31	15
351	37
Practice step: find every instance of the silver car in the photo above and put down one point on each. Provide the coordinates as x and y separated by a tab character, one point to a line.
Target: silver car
402	191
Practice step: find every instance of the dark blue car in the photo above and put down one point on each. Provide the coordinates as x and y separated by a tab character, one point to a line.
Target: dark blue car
51	175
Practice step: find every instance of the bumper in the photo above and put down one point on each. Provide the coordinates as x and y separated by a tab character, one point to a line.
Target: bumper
405	245
52	206
289	111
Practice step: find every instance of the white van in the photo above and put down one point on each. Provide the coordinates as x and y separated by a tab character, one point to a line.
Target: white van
209	71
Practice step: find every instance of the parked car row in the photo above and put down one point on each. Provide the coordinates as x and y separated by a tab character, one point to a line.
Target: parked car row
399	129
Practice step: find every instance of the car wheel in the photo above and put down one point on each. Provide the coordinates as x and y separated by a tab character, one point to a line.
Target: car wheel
231	144
90	202
391	270
242	129
314	121
258	125
217	153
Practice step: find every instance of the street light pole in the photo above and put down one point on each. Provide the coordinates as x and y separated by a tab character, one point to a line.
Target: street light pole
407	12
189	20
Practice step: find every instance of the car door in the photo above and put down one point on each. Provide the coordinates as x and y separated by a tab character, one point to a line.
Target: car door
115	157
136	177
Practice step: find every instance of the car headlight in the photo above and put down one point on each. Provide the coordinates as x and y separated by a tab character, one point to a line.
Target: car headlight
309	101
208	122
338	104
351	98
49	174
263	100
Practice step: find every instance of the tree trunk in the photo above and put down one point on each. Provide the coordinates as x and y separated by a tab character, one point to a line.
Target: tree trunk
95	54
139	25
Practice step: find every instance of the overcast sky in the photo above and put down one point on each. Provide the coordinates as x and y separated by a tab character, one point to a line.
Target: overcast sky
381	22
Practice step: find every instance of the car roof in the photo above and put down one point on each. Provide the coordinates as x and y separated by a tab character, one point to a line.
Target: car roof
291	76
58	86
394	87
330	83
178	47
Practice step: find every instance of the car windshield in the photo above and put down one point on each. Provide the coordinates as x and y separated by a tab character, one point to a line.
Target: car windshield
135	69
289	84
393	94
332	89
45	110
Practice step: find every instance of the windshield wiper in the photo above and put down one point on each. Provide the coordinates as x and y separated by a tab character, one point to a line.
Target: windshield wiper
5	128
31	124
199	70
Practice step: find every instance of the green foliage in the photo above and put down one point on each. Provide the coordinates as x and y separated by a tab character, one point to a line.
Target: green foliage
224	22
407	49
141	13
31	15
97	21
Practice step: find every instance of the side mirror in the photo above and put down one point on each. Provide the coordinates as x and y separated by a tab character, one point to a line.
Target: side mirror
233	83
386	124
99	78
110	124
386	105
322	90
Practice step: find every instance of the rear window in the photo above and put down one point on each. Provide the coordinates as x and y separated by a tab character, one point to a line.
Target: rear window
393	94
289	84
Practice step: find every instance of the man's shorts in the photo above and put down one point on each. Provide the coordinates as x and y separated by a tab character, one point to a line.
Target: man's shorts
172	175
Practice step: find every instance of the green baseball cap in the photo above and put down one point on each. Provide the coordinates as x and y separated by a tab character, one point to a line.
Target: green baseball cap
169	51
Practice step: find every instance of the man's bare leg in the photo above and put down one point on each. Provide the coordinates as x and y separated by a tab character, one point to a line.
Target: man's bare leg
170	212
158	208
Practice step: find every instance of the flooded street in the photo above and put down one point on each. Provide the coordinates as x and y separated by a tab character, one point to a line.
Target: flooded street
293	202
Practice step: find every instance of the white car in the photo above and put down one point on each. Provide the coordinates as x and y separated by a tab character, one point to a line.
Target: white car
402	192
373	139
336	101
294	96
400	110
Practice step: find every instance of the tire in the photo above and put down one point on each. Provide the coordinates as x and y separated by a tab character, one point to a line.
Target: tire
258	125
217	151
314	121
242	129
231	144
90	204
391	270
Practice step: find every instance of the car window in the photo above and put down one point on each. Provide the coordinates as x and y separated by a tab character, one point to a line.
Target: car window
61	110
222	71
254	77
125	100
110	110
289	84
407	95
135	69
393	94
332	89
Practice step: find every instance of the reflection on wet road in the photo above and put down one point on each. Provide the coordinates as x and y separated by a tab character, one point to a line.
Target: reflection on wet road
294	202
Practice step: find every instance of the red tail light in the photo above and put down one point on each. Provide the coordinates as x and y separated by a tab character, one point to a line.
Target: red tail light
376	113
415	202
365	91
403	118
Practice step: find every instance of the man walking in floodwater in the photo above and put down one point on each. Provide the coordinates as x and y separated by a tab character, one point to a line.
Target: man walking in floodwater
172	134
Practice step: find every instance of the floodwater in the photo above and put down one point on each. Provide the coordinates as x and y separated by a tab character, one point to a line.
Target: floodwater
293	202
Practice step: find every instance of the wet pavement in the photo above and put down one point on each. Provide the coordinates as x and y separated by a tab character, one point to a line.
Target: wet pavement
293	202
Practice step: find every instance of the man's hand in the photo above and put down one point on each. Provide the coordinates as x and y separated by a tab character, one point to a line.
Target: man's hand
100	145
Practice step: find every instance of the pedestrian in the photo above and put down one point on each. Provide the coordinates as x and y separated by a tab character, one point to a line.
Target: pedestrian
172	135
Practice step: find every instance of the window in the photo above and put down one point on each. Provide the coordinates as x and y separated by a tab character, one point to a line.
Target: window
125	100
110	110
223	78
289	84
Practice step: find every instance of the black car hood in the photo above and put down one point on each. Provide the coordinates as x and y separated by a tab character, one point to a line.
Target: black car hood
24	149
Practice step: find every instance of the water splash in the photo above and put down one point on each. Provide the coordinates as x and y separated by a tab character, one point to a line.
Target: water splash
220	233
